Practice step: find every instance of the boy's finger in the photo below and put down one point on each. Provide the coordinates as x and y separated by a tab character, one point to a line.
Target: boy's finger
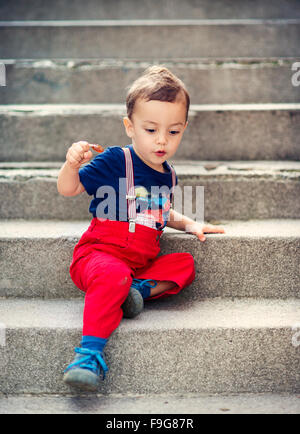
201	237
213	229
80	147
84	145
76	155
88	154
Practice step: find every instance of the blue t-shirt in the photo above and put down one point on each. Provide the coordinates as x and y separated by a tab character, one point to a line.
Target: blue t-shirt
105	179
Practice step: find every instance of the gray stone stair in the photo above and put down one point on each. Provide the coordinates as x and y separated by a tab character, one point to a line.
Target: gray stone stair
152	9
142	39
232	190
228	132
218	345
185	403
256	258
208	81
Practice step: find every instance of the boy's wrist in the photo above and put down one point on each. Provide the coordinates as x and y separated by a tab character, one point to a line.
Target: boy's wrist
181	222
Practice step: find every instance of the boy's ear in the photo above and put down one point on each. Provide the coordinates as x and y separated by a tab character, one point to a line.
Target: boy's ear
128	126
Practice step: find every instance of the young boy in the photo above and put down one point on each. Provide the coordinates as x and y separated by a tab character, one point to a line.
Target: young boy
116	261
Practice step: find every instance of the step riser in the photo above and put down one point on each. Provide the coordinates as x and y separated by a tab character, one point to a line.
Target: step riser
225	197
218	134
223	84
213	361
225	267
257	40
132	9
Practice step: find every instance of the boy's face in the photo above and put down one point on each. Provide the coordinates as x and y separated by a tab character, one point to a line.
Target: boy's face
156	130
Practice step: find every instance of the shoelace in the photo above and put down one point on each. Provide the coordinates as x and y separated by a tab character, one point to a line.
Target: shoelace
89	361
138	284
141	284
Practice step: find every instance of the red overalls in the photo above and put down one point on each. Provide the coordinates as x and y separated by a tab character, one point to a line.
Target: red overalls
110	254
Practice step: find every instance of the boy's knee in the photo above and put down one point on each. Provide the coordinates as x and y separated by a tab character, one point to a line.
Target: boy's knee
188	260
110	276
125	280
117	277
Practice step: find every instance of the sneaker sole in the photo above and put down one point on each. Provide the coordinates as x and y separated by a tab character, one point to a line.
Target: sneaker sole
85	381
133	305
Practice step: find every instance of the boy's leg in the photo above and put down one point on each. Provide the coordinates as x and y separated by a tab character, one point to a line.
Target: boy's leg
106	281
166	275
162	286
142	289
172	272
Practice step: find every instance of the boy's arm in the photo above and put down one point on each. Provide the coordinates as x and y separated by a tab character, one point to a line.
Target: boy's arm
182	223
68	182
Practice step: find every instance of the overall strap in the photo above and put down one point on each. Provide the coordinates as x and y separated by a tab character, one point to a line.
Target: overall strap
130	191
173	184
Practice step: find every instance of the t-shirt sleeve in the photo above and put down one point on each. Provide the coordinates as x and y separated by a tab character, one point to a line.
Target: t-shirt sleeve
101	170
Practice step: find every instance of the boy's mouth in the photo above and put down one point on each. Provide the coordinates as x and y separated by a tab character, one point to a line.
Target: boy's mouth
160	153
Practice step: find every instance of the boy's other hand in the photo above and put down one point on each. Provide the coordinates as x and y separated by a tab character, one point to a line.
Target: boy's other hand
78	154
199	229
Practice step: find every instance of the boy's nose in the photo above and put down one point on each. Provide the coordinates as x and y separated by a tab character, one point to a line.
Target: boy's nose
161	139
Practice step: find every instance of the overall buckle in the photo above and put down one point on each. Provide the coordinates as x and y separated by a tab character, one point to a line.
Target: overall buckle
131	225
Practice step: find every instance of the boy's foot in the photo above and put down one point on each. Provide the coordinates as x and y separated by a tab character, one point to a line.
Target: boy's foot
134	303
84	372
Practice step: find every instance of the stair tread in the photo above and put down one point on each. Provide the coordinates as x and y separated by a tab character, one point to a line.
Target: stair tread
285	169
275	228
183	403
100	9
159	315
149	22
99	107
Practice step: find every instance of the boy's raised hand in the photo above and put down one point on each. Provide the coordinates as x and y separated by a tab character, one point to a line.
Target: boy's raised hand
199	229
78	154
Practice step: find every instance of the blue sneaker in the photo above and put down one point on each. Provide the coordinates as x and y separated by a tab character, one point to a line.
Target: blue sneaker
84	372
134	303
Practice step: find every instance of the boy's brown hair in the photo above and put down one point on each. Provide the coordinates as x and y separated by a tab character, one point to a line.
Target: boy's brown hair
156	83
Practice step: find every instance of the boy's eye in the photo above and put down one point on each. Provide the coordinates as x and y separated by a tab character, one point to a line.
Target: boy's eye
151	130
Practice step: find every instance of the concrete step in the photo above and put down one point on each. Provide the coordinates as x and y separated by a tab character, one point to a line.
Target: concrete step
142	39
216	346
207	190
41	132
56	82
187	403
134	9
257	258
